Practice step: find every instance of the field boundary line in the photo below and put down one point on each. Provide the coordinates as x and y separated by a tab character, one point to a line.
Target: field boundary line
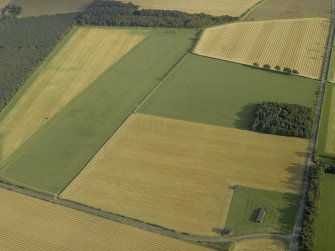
174	66
122	123
294	244
133	222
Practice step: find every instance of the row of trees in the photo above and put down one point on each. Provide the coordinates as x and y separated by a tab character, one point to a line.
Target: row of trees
283	119
24	43
308	231
116	13
286	70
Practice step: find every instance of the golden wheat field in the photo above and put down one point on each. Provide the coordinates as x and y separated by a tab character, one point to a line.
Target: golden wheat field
260	245
213	7
3	3
31	224
86	55
178	174
296	43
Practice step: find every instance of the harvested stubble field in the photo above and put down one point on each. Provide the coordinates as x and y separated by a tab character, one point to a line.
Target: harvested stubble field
222	93
213	7
326	136
3	3
178	174
285	9
31	224
297	43
326	219
50	159
260	245
50	7
77	62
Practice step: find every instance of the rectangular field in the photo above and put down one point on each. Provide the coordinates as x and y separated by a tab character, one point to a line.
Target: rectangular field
221	93
245	206
326	137
286	9
178	174
78	61
213	7
31	224
326	219
298	44
50	7
58	152
261	245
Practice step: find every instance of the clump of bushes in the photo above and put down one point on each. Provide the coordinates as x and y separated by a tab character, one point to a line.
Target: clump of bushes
115	13
283	119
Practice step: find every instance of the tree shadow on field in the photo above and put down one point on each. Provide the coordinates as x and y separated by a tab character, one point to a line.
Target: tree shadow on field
245	116
287	213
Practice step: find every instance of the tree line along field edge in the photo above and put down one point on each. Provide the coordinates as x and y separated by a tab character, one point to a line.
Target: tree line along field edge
148	62
71	70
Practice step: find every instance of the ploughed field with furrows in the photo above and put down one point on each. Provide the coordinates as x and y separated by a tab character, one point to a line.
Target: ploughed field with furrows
32	224
213	7
296	43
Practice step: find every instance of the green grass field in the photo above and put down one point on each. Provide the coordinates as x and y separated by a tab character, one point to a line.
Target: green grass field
325	240
50	7
59	151
331	69
245	206
221	93
326	137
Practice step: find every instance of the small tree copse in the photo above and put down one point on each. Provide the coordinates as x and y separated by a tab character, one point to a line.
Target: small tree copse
283	119
277	68
287	70
294	71
255	65
267	66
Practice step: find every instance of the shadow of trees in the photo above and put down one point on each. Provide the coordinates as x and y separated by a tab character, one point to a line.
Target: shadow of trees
245	116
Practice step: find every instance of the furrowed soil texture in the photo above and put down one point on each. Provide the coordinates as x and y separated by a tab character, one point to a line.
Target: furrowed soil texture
260	245
31	224
326	136
221	93
326	219
213	7
58	152
179	174
284	9
76	63
297	44
50	7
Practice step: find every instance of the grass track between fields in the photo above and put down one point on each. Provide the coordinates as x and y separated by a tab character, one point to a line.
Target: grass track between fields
56	154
